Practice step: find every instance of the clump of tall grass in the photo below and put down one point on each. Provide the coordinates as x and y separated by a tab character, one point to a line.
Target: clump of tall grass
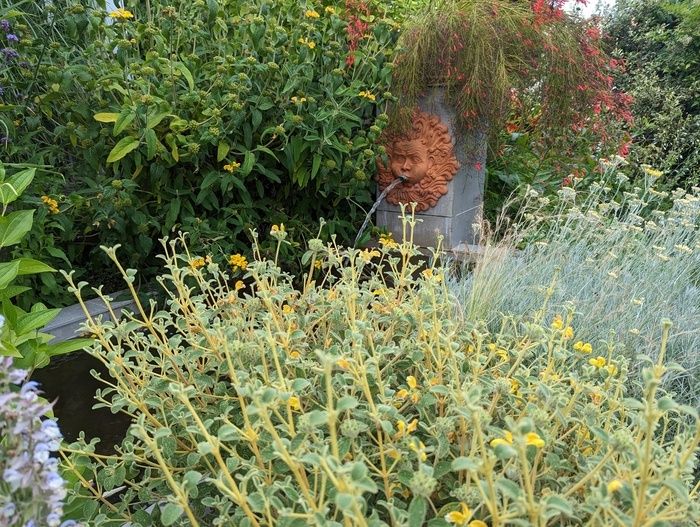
620	261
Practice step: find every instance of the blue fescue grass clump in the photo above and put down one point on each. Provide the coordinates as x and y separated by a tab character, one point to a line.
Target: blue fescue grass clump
619	261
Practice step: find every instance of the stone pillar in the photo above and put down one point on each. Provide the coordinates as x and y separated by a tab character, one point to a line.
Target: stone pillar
455	212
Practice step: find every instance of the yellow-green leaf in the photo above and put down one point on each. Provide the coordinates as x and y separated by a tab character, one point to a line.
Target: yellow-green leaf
106	117
222	150
122	148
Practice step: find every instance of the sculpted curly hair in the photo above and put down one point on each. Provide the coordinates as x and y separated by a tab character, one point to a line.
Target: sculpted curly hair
432	133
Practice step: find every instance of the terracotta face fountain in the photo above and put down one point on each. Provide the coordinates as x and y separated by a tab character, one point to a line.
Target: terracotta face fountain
444	169
425	155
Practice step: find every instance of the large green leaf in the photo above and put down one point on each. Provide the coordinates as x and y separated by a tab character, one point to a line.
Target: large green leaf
11	189
35	320
8	272
122	148
31	266
14	226
68	346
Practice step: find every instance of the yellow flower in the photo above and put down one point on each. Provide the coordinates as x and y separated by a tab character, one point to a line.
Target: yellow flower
232	167
393	454
295	355
460	517
403	428
276	229
298	100
387	241
310	13
428	273
402	393
343	363
318	264
52	204
612	369
308	43
598	362
121	14
507	439
239	285
238	261
419	448
287	309
514	386
533	438
477	523
367	95
294	403
614	486
652	172
411	381
196	263
330	10
568	333
583	347
367	255
558	323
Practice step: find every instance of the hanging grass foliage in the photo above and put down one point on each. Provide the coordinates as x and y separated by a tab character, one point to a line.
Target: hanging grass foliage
489	54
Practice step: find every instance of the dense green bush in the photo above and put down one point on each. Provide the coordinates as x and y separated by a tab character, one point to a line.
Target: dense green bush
210	117
660	44
367	398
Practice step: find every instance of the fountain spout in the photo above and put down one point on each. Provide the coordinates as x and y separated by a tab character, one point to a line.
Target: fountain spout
400	179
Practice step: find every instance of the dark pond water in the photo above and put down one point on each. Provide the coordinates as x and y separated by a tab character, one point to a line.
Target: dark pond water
69	384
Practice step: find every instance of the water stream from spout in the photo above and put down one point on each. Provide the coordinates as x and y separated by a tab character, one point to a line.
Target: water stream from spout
381	197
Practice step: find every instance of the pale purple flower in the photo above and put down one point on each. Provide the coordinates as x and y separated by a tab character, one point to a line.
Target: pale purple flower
11	37
9	53
5	25
31	489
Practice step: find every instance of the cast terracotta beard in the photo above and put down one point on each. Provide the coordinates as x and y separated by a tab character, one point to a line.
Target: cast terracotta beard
424	155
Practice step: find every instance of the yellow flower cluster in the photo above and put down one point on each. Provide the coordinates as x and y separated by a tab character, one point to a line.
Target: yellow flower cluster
531	439
196	263
367	255
461	517
121	14
414	392
652	172
308	43
239	285
298	100
294	403
238	261
330	10
367	95
387	241
558	324
403	429
343	363
52	204
232	167
614	486
311	13
600	362
583	347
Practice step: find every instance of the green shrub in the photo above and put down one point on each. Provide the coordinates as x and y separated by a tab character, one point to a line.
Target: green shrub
367	398
660	44
210	117
622	256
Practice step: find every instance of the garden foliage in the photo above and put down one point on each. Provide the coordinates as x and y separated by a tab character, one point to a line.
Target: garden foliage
620	257
210	117
660	44
20	334
368	398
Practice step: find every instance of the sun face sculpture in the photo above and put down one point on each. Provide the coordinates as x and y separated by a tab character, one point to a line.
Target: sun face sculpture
425	155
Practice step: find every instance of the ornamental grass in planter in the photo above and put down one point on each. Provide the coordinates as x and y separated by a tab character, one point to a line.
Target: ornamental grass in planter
499	57
367	398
